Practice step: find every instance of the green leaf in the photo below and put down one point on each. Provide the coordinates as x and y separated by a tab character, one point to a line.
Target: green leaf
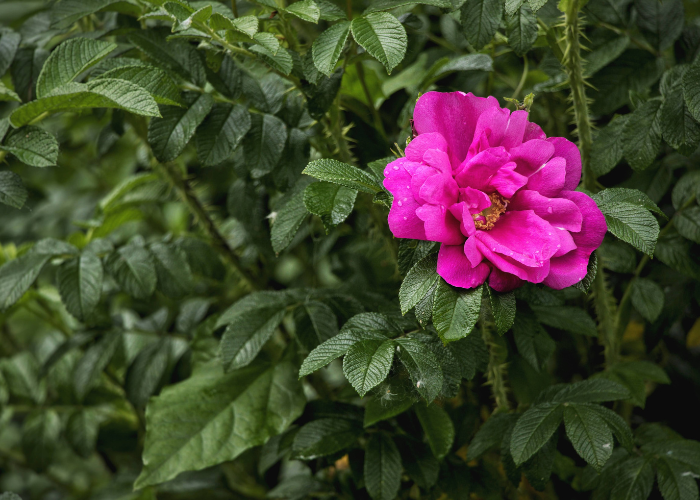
382	468
589	434
264	143
382	36
641	135
455	312
82	428
329	350
686	187
687	223
40	435
661	22
490	434
521	29
8	94
257	302
502	309
174	274
467	62
330	11
533	429
178	56
100	93
324	436
315	324
68	61
87	371
605	53
9	43
647	298
417	282
328	47
66	12
268	41
248	25
568	318
80	284
187	417
678	127
367	363
25	70
607	150
625	195
133	268
146	372
16	276
595	390
422	365
635	70
419	462
21	372
331	202
246	335
691	90
156	81
634	480
674	481
533	342
221	132
281	60
619	427
389	402
480	20
343	174
289	217
169	134
33	146
306	10
438	427
379	5
12	190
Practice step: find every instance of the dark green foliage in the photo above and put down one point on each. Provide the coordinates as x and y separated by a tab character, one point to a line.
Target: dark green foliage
200	296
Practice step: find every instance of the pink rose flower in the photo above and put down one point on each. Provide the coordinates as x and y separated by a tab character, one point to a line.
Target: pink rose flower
496	192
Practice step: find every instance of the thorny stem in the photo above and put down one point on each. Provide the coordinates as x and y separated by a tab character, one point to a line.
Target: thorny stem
604	304
573	63
496	371
186	192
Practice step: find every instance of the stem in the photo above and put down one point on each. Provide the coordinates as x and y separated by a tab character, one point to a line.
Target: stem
370	102
234	8
186	192
574	69
604	304
496	371
521	83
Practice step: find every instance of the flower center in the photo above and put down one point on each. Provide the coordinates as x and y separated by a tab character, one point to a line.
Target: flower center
486	219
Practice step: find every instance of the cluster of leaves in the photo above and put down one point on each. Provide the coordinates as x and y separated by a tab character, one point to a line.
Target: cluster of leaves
193	228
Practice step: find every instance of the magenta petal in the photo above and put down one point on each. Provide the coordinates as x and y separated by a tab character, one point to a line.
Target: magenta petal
472	251
421	174
476	200
440	225
503	282
566	241
454	115
507	181
439	189
477	171
593	227
513	135
533	274
454	268
568	150
420	144
461	213
522	236
567	270
492	123
549	180
531	155
533	131
559	212
439	160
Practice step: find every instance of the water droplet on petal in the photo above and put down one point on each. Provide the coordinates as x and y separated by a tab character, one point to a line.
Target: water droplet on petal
400	203
396	167
550	210
494	249
405	218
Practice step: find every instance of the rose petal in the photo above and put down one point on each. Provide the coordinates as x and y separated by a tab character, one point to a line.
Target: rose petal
492	123
454	268
533	131
439	189
420	144
593	226
509	265
440	225
477	201
477	171
462	213
559	212
503	282
531	155
568	150
439	160
513	135
507	181
549	180
566	241
454	115
567	270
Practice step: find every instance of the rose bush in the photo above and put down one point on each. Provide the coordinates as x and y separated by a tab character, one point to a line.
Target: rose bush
496	193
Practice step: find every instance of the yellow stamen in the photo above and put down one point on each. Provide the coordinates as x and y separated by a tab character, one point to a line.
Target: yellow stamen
487	219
